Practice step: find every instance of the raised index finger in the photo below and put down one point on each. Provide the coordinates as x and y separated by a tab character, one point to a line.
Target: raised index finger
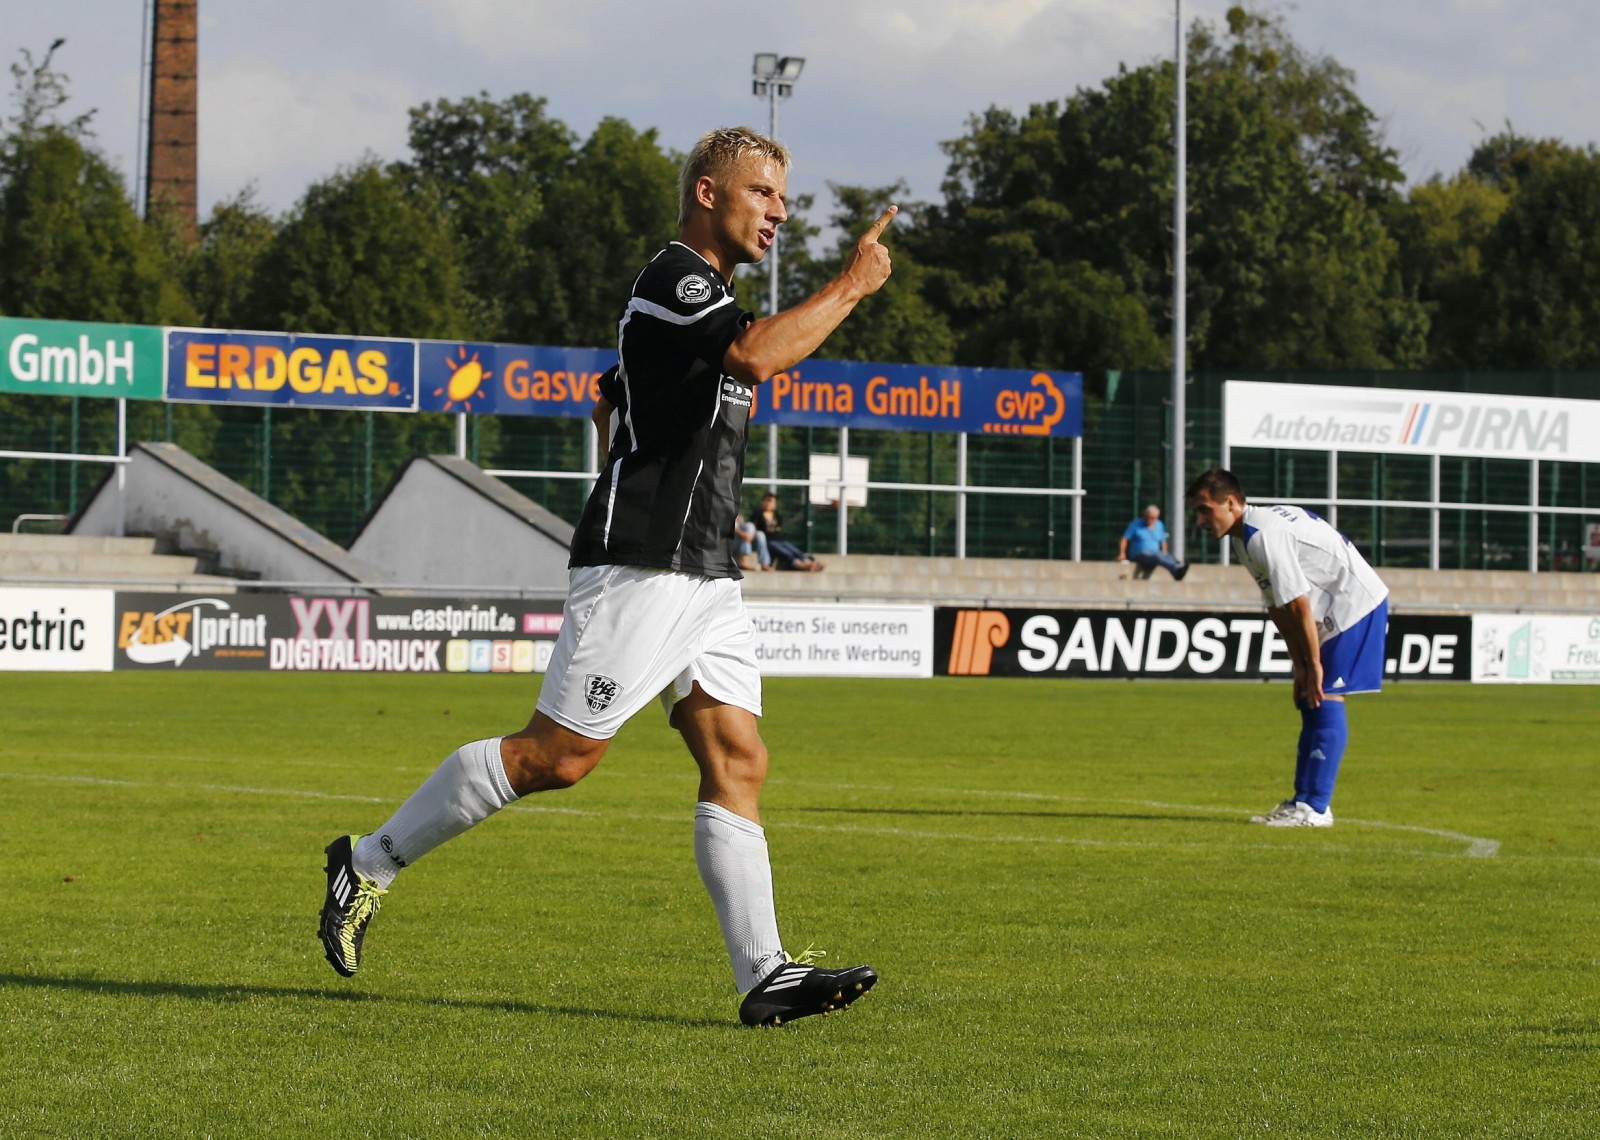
881	224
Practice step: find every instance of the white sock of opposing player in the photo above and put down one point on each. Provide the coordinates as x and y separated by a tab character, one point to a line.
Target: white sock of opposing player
731	852
469	787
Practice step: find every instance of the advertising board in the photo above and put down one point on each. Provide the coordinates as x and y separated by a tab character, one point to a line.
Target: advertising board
306	633
80	358
55	630
1314	417
509	379
1539	649
299	370
1168	645
911	397
843	641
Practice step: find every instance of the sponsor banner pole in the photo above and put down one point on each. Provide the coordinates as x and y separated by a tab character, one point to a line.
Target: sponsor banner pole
1077	500
1533	516
1434	516
844	496
961	495
1333	489
122	467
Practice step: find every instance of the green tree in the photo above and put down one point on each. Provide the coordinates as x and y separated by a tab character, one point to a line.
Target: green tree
1543	267
365	254
71	245
1504	159
1441	229
492	165
899	322
612	207
1289	261
222	266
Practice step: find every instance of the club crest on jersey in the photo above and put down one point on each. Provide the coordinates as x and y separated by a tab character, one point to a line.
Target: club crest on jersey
694	289
599	691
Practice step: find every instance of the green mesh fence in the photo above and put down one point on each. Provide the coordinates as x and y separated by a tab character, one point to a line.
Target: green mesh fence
328	468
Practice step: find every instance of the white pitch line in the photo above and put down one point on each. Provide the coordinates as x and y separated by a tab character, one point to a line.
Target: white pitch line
1478	847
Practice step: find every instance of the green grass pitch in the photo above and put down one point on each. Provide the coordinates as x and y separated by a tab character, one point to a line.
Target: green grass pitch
1078	933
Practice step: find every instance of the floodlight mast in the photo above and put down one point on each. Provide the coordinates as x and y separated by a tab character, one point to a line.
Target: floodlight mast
1180	243
774	76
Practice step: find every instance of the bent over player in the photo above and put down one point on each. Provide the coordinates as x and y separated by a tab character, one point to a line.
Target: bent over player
654	605
1333	611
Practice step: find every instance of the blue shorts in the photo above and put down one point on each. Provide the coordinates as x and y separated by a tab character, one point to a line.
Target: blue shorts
1352	661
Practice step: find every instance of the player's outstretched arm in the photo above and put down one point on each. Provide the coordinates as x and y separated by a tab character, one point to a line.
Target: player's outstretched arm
770	345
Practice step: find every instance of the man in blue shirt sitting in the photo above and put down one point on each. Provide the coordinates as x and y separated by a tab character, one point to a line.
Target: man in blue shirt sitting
1145	544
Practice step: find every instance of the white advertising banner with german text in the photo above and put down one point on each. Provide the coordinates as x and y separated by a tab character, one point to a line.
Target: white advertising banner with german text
57	630
843	641
1311	417
1536	649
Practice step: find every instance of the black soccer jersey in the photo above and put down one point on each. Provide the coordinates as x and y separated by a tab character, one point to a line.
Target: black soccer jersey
670	489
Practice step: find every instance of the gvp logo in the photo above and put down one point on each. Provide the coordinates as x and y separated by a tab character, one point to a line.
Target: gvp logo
1029	411
977	634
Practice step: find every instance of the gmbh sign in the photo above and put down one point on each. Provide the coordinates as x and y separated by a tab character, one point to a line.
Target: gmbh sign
1303	417
80	358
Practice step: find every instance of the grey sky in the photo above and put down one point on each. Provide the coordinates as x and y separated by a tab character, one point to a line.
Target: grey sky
293	89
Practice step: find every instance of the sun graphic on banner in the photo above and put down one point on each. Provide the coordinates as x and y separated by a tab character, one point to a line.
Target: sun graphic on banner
466	377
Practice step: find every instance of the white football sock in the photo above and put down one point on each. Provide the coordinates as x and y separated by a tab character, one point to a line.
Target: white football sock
731	852
469	787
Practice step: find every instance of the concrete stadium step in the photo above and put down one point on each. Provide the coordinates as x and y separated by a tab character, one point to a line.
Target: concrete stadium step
82	565
45	560
74	543
1024	582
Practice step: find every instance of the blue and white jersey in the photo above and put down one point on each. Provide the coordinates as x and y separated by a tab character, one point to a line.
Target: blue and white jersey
1293	553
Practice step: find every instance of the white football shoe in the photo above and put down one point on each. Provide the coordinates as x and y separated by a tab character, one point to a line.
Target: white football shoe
1303	815
1282	811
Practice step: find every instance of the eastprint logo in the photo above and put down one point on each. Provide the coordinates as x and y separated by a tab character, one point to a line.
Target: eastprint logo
694	290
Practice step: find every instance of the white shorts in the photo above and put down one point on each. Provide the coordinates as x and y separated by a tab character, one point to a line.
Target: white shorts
630	633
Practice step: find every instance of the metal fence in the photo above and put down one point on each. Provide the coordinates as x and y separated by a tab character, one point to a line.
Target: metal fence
928	493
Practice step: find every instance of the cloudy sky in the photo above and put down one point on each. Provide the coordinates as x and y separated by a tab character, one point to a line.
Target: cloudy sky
290	90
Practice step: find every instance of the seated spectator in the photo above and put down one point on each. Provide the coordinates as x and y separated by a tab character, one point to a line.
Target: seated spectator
785	554
752	544
1145	544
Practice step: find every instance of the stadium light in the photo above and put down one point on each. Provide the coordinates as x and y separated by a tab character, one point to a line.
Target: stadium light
774	76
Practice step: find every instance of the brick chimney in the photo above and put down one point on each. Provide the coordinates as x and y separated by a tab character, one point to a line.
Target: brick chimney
171	164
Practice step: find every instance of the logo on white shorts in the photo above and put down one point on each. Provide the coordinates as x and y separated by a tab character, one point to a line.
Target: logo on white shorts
694	289
599	692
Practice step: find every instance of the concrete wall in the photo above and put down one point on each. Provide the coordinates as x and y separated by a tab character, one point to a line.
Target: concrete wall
190	507
443	522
